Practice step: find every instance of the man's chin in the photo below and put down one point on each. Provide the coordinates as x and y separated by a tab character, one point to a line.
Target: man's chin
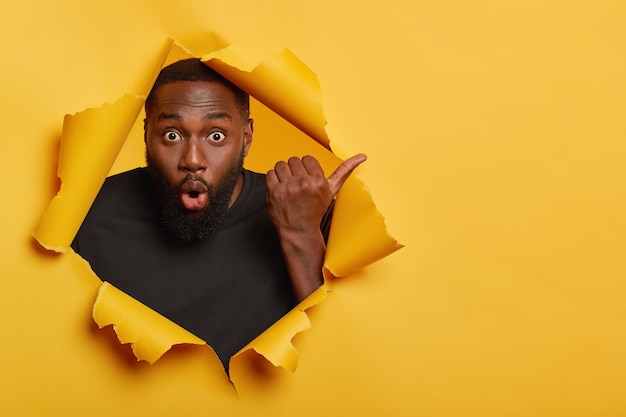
188	225
193	216
194	211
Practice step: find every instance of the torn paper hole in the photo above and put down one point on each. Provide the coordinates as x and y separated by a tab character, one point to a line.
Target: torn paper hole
90	142
274	84
149	333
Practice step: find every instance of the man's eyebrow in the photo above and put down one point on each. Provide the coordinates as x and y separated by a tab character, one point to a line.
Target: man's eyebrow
222	115
210	116
166	116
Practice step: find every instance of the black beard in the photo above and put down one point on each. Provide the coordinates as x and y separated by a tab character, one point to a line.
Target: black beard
182	223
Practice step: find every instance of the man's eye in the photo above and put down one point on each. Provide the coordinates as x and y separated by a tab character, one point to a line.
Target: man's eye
217	136
172	136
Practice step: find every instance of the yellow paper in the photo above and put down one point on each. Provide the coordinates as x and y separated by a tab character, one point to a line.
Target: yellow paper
282	82
355	221
495	135
149	333
274	344
90	143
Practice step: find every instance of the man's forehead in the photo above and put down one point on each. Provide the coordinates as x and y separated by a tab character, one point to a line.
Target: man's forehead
203	94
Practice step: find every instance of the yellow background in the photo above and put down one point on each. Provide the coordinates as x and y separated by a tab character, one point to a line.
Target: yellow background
496	137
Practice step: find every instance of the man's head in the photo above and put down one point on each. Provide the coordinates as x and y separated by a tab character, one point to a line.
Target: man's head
197	131
193	69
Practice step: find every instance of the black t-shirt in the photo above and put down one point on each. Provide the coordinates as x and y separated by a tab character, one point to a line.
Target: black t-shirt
226	289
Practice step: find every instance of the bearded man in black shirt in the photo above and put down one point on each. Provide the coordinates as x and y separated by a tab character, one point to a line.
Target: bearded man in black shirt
220	250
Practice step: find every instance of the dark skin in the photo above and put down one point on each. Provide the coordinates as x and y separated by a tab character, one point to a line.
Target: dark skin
298	195
196	128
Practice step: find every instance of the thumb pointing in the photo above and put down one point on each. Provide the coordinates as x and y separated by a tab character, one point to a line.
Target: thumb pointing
343	171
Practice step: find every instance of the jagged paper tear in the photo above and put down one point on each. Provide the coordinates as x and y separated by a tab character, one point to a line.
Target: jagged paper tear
90	143
149	333
91	140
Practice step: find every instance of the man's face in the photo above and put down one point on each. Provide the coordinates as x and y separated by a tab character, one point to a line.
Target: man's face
196	139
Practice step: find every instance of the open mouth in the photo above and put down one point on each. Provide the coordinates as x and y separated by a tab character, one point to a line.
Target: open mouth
194	195
194	200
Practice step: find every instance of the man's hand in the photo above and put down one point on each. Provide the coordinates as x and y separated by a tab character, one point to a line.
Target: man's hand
298	193
298	196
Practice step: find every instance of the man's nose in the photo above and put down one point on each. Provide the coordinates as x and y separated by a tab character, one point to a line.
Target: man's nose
193	159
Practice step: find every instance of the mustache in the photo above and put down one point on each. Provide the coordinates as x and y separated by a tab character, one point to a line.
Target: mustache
190	178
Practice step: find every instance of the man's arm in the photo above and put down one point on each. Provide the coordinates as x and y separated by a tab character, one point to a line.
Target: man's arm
298	196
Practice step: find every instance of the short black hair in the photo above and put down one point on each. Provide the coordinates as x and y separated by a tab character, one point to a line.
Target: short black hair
193	69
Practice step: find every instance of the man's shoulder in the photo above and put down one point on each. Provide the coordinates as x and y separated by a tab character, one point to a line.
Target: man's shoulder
127	178
253	185
125	189
122	197
256	179
251	199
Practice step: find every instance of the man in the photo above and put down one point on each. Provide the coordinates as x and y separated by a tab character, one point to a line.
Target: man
222	251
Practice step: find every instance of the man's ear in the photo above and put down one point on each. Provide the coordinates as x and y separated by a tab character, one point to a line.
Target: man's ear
248	129
145	138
